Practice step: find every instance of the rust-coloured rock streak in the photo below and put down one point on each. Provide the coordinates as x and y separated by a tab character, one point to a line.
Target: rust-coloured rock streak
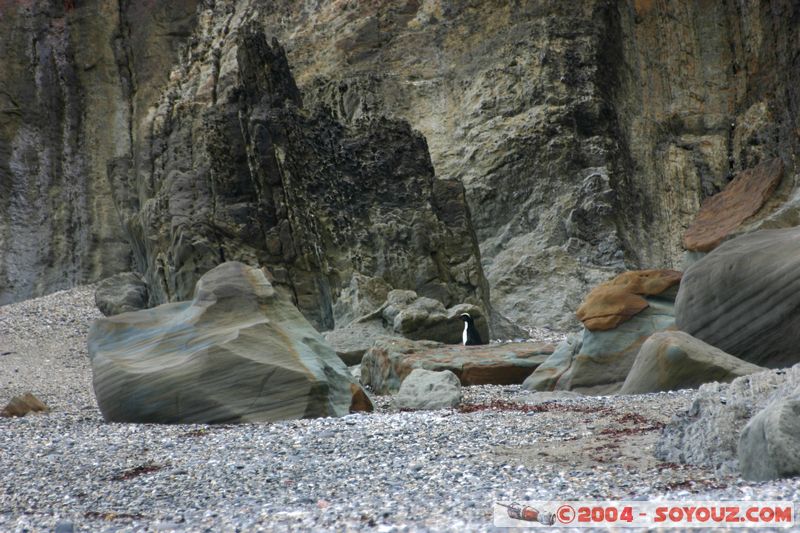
617	300
721	214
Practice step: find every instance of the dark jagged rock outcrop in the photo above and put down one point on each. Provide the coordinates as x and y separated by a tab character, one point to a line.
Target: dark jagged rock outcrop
236	169
587	134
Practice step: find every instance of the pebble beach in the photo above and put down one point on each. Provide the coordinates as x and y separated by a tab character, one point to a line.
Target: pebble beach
69	470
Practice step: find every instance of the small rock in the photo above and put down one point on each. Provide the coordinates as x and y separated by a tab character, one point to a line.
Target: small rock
22	405
426	389
65	526
121	293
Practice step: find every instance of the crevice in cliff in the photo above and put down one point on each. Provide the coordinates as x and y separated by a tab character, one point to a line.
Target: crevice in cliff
123	55
610	82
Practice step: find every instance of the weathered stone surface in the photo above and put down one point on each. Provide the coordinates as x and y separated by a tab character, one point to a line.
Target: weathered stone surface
586	136
662	101
243	172
74	76
546	376
389	361
743	298
403	315
617	300
121	293
427	319
769	447
599	362
427	389
708	433
22	405
363	296
673	360
352	341
237	352
723	213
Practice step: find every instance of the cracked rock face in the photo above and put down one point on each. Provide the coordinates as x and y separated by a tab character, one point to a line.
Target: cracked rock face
236	169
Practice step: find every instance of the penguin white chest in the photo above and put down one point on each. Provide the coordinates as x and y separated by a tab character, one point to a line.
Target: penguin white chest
464	334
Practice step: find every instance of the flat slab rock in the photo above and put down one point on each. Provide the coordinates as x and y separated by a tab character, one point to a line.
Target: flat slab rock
390	360
723	213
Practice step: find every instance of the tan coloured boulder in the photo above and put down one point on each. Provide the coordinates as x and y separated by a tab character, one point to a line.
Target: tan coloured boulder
617	300
237	352
722	213
22	405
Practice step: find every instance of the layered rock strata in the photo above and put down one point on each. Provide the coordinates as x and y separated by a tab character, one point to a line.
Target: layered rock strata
237	352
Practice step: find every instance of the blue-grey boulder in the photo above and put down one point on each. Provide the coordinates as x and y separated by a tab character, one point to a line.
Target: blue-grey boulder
236	352
674	360
744	298
598	362
769	447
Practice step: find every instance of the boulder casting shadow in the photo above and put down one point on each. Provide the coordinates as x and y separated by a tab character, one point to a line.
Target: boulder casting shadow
237	352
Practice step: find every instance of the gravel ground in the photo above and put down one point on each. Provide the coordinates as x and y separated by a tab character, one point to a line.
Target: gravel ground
388	471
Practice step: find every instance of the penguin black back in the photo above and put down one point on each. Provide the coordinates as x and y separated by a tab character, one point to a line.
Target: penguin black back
470	336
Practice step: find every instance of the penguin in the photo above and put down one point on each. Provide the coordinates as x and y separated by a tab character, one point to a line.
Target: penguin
470	336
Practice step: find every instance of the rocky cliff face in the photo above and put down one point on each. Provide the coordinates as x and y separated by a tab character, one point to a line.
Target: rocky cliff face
586	134
234	168
67	96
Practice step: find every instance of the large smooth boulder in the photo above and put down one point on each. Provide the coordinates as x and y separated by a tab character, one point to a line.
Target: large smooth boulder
391	360
605	357
769	447
743	298
707	433
120	294
673	360
721	214
237	352
619	316
428	389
